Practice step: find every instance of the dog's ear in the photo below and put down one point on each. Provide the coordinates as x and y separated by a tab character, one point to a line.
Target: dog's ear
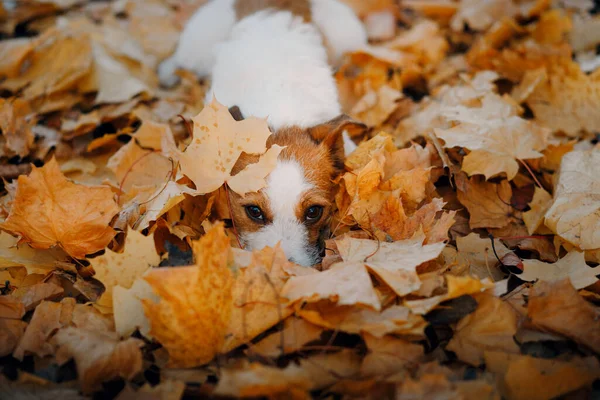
329	134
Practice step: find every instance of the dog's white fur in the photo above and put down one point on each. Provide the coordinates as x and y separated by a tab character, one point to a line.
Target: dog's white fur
285	185
272	64
275	66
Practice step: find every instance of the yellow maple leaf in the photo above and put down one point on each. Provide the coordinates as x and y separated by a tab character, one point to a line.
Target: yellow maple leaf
572	266
48	211
573	214
194	310
395	263
122	269
218	142
496	136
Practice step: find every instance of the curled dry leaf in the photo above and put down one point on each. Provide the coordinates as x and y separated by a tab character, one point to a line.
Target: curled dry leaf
99	356
573	214
203	290
49	211
557	307
47	318
15	125
33	295
218	142
122	269
11	307
491	327
312	373
11	332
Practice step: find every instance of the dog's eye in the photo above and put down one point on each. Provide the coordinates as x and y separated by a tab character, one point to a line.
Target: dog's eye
255	213
313	213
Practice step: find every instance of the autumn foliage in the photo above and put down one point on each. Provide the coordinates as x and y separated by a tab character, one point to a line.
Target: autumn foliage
464	245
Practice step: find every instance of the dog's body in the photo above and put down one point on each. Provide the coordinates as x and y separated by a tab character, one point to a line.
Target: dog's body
271	59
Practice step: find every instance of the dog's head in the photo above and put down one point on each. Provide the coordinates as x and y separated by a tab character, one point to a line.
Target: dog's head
296	205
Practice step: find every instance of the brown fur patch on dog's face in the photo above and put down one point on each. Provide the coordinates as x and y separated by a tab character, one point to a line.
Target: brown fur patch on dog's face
301	8
295	207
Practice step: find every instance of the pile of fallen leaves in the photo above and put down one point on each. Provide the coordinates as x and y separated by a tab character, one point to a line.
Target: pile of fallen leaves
461	261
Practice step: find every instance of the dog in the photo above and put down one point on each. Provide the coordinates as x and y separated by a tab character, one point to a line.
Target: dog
273	59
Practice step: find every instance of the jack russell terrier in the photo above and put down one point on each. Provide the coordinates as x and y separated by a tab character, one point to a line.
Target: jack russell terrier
272	59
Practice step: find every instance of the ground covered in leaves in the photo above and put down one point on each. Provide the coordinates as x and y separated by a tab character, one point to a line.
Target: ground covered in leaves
464	245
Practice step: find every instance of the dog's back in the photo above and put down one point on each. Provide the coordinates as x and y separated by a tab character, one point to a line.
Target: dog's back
274	65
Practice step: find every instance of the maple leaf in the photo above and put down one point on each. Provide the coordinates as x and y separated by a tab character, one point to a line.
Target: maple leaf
48	210
376	106
525	377
491	327
562	86
258	302
122	269
480	15
391	219
33	295
539	205
344	283
573	214
389	355
477	255
395	263
128	309
313	373
496	136
557	307
218	142
57	63
203	290
488	203
572	266
11	332
296	333
99	356
351	319
47	318
35	261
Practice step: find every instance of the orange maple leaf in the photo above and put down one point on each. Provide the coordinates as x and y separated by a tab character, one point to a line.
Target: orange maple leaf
49	210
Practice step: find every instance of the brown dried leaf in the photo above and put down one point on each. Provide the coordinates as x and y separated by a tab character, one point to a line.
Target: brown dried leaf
389	355
557	307
11	332
47	318
33	295
99	356
491	327
488	203
49	210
